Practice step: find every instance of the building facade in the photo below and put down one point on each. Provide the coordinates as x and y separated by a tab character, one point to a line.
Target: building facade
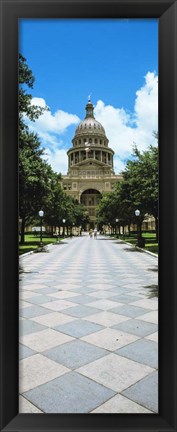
90	164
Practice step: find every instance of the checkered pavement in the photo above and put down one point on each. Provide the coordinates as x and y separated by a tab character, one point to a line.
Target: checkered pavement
88	329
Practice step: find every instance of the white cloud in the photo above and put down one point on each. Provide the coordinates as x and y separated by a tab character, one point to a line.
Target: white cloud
56	123
123	128
39	102
57	159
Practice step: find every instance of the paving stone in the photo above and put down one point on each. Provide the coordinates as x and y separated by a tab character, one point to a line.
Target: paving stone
40	299
27	407
153	337
125	298
129	310
83	290
44	339
33	311
81	311
106	371
151	317
53	319
120	405
25	352
66	395
81	299
147	303
136	327
75	354
63	294
79	328
142	351
37	370
24	304
106	318
102	294
30	327
25	295
47	290
58	305
104	304
32	286
145	392
110	339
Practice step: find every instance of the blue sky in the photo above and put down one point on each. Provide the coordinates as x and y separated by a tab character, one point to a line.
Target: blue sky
116	61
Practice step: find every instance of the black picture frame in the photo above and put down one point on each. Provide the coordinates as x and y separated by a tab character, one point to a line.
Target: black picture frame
166	12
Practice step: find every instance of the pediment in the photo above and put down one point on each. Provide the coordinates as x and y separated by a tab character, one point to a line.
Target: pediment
90	164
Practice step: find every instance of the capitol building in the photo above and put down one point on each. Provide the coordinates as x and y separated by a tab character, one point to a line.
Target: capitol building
90	164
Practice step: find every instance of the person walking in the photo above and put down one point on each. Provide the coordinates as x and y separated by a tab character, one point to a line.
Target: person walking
95	233
90	233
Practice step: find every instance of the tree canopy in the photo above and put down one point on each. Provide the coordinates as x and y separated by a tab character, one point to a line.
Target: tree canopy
39	185
137	190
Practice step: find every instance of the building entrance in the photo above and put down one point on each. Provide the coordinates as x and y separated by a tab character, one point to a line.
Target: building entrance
90	198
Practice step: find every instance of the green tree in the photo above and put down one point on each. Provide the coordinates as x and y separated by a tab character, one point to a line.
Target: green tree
141	180
34	179
33	170
138	189
26	80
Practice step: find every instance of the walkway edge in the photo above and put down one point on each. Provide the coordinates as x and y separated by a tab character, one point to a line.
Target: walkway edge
143	250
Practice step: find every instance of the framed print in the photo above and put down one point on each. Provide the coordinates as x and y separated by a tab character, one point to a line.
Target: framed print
163	418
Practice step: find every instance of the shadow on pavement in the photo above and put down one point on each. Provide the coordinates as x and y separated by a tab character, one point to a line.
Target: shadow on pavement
153	269
154	290
133	250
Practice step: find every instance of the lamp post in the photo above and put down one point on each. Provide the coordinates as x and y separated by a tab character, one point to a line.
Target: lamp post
64	220
41	214
117	220
137	214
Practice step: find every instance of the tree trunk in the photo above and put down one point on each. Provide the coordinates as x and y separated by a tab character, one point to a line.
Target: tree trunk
129	230
157	228
22	239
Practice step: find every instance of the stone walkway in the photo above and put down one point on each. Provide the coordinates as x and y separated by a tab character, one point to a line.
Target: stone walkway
88	329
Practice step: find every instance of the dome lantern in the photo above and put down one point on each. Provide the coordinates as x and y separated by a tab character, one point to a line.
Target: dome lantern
89	109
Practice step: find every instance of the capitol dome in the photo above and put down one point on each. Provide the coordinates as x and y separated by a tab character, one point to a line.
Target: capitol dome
90	143
90	130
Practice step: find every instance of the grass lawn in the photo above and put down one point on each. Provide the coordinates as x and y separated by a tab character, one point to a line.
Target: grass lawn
151	244
33	242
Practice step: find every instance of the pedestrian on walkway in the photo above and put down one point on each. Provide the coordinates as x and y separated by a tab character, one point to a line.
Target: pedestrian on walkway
95	233
90	233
